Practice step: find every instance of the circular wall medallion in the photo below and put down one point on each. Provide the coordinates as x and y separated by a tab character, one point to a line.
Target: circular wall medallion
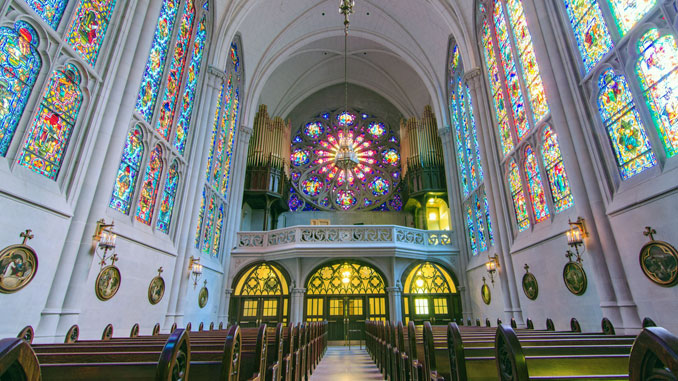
156	290
659	261
18	265
107	283
530	286
575	278
202	297
486	294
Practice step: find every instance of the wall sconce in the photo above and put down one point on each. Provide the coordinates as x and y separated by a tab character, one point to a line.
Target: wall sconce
195	269
575	235
104	238
492	265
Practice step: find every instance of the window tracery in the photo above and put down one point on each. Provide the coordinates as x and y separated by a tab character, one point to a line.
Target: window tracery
49	10
345	278
263	279
88	28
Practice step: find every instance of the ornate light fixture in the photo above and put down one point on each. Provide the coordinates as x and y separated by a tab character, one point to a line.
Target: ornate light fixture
104	238
575	235
195	269
492	265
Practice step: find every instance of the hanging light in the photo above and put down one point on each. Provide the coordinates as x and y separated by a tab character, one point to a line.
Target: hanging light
346	157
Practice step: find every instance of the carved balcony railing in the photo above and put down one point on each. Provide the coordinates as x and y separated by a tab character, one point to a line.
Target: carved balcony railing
351	237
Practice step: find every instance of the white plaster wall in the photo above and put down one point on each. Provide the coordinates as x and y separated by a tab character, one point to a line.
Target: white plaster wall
23	307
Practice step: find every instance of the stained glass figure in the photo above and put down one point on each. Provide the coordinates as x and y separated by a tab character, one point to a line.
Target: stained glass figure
624	127
480	223
50	130
208	226
150	82
656	69
590	31
535	186
49	10
470	226
188	98
128	171
218	226
175	73
88	27
168	195
351	166
235	57
627	13
19	68
488	219
149	187
518	196
495	82
555	171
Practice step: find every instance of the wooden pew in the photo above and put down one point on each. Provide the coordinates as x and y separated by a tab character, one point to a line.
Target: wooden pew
577	357
654	356
403	350
287	370
436	353
169	362
18	361
274	353
253	353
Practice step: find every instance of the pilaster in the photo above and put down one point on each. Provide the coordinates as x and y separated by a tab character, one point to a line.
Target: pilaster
395	302
297	305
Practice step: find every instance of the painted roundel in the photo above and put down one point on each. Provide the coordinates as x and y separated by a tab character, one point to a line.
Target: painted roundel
345	161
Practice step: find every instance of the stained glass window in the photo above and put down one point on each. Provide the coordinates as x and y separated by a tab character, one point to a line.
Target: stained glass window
555	171
50	130
128	171
624	127
350	164
188	99
88	27
175	74
168	195
480	223
149	187
471	230
429	278
656	69
490	234
590	30
535	186
212	210
628	12
49	10
19	67
360	279
262	279
518	196
150	82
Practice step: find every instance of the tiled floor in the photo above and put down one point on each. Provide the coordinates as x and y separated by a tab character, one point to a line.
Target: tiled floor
342	364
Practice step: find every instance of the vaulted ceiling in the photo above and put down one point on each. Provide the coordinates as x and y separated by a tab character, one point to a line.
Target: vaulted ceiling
294	48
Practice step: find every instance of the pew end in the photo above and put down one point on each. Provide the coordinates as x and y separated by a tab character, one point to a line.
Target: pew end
18	361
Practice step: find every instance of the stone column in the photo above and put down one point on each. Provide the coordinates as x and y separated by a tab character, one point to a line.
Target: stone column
297	305
226	302
395	302
215	80
616	300
63	303
493	189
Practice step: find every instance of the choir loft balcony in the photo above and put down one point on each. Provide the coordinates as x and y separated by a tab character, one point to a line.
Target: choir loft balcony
347	240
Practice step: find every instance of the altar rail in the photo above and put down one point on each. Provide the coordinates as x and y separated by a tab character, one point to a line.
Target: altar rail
384	236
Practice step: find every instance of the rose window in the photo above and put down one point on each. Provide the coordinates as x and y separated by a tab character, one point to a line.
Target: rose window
345	161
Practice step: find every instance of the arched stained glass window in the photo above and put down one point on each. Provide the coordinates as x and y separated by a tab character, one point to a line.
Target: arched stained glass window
88	27
149	187
217	174
150	82
51	129
488	219
656	68
590	30
188	98
19	68
555	171
518	196
471	230
627	135
429	278
49	10
262	279
628	12
479	218
168	195
345	278
176	71
128	171
535	186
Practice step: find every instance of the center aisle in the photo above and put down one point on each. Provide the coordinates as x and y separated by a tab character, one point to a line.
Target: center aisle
342	364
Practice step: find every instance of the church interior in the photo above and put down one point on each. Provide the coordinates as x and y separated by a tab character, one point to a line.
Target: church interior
338	189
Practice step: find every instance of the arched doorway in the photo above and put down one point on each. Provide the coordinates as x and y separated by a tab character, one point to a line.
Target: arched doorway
261	295
430	294
345	293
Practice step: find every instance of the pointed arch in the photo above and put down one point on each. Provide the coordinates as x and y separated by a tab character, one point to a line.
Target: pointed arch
168	195
149	187
128	170
88	28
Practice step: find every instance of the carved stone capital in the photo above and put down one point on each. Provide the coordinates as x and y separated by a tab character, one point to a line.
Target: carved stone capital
445	133
298	291
228	291
245	134
393	290
473	78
